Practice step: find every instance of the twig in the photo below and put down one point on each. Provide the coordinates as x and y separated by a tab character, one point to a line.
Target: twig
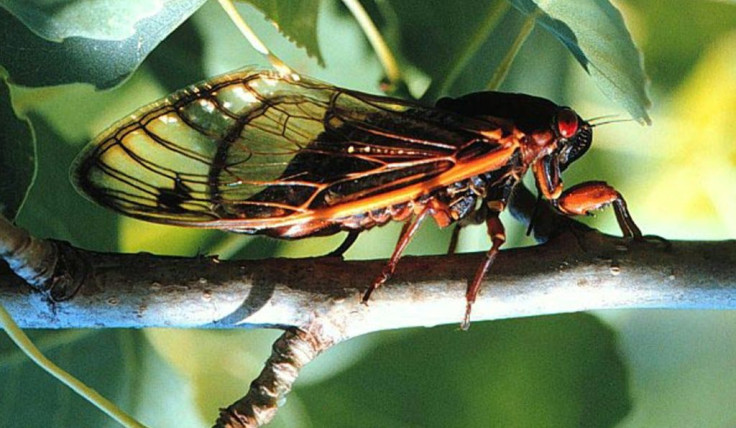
292	351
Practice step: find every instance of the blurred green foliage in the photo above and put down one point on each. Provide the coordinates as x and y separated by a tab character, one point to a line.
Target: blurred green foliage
18	163
650	369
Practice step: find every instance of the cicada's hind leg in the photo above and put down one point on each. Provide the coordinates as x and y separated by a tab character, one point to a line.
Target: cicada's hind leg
407	233
346	244
497	234
585	197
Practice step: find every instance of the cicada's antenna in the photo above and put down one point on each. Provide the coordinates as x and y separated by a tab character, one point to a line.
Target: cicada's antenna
599	120
605	116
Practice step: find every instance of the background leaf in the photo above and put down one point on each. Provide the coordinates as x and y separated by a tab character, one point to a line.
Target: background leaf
34	61
524	373
431	36
90	355
91	19
17	156
670	54
595	33
112	362
297	21
51	212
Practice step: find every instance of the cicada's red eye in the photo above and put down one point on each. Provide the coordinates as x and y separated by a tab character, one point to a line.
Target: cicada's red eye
567	123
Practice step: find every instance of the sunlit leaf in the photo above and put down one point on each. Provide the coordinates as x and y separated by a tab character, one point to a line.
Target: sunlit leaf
92	19
35	61
595	33
697	153
297	20
135	235
219	365
17	156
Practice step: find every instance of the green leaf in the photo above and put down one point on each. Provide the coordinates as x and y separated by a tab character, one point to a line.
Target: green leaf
92	19
297	21
554	371
104	62
119	364
179	60
461	59
17	156
427	40
37	399
595	33
53	207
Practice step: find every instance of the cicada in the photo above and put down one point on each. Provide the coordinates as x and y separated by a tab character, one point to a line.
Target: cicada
260	152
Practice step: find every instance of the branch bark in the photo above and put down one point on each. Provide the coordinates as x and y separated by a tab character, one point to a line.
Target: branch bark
574	272
317	300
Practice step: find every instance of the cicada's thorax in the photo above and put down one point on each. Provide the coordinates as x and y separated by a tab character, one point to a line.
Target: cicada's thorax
493	188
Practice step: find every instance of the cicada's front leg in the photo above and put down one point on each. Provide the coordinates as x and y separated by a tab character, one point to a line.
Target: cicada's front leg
593	195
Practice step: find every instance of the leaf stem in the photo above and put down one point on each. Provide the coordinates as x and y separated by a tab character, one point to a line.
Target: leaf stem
476	41
14	357
503	68
24	344
385	56
250	35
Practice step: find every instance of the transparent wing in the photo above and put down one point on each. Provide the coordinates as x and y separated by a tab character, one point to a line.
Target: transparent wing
258	145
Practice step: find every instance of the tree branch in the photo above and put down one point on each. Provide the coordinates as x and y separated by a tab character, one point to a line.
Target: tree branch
292	351
574	272
318	299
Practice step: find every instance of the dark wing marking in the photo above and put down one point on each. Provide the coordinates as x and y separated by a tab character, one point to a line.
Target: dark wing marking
255	145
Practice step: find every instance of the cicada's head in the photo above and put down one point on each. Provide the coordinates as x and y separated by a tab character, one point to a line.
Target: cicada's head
574	136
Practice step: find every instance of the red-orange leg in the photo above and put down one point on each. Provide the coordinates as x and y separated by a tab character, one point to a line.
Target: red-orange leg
407	233
498	236
593	195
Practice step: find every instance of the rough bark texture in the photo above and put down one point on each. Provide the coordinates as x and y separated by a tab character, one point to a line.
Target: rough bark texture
317	300
292	351
574	272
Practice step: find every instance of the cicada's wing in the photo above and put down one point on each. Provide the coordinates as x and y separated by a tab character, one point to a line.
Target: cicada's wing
253	149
